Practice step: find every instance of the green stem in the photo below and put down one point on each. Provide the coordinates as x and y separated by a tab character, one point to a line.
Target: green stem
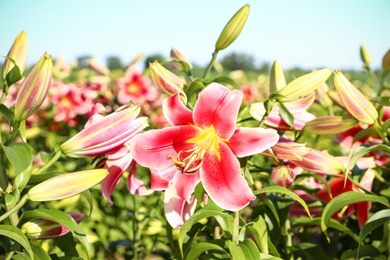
381	134
268	110
20	204
3	175
15	129
53	159
213	58
10	255
236	225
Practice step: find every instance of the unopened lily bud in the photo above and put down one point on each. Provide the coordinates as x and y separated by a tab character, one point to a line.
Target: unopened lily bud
302	86
287	150
386	62
282	176
66	185
175	53
47	229
354	101
323	95
34	88
165	80
365	56
18	53
329	125
233	28
277	79
98	67
106	133
320	162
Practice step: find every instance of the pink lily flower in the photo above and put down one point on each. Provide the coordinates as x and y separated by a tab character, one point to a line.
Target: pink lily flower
203	145
296	107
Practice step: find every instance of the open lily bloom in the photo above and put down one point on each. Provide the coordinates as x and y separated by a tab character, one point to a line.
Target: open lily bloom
203	145
296	107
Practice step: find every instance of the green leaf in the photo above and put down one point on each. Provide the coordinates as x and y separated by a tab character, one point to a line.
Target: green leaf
383	100
16	234
21	256
235	251
198	249
378	219
249	249
19	155
260	233
386	126
364	133
361	151
279	189
366	252
39	253
224	81
205	212
61	218
345	199
286	115
87	195
14	75
305	221
6	112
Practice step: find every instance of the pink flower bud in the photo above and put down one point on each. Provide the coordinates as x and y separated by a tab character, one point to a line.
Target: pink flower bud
18	53
47	229
34	88
105	133
175	53
329	125
320	162
165	80
354	101
98	67
282	176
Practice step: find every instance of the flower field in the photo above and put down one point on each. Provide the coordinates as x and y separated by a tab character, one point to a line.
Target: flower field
176	162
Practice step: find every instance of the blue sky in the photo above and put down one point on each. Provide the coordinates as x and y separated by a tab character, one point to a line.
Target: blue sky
306	33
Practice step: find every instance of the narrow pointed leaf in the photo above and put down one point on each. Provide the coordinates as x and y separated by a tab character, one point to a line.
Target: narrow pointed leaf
279	189
378	219
16	234
250	249
345	199
202	247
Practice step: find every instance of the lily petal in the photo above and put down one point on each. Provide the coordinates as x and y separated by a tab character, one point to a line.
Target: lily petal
247	141
154	148
176	112
115	168
218	106
185	184
135	185
177	210
223	181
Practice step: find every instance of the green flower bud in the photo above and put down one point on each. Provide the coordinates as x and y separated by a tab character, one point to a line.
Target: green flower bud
18	53
34	88
302	86
165	80
233	28
277	79
66	185
365	56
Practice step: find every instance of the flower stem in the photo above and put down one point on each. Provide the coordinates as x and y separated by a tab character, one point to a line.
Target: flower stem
213	58
53	159
15	129
236	225
20	204
3	175
381	134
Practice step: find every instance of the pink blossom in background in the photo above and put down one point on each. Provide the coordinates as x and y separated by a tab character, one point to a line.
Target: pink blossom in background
136	88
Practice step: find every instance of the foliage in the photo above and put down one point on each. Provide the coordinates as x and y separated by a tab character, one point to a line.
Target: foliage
74	186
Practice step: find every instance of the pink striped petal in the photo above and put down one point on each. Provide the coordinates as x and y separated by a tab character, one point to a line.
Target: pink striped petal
160	180
223	181
248	141
185	184
135	185
218	106
115	168
177	210
176	112
153	148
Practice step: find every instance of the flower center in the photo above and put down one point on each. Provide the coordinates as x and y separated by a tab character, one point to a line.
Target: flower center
191	160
